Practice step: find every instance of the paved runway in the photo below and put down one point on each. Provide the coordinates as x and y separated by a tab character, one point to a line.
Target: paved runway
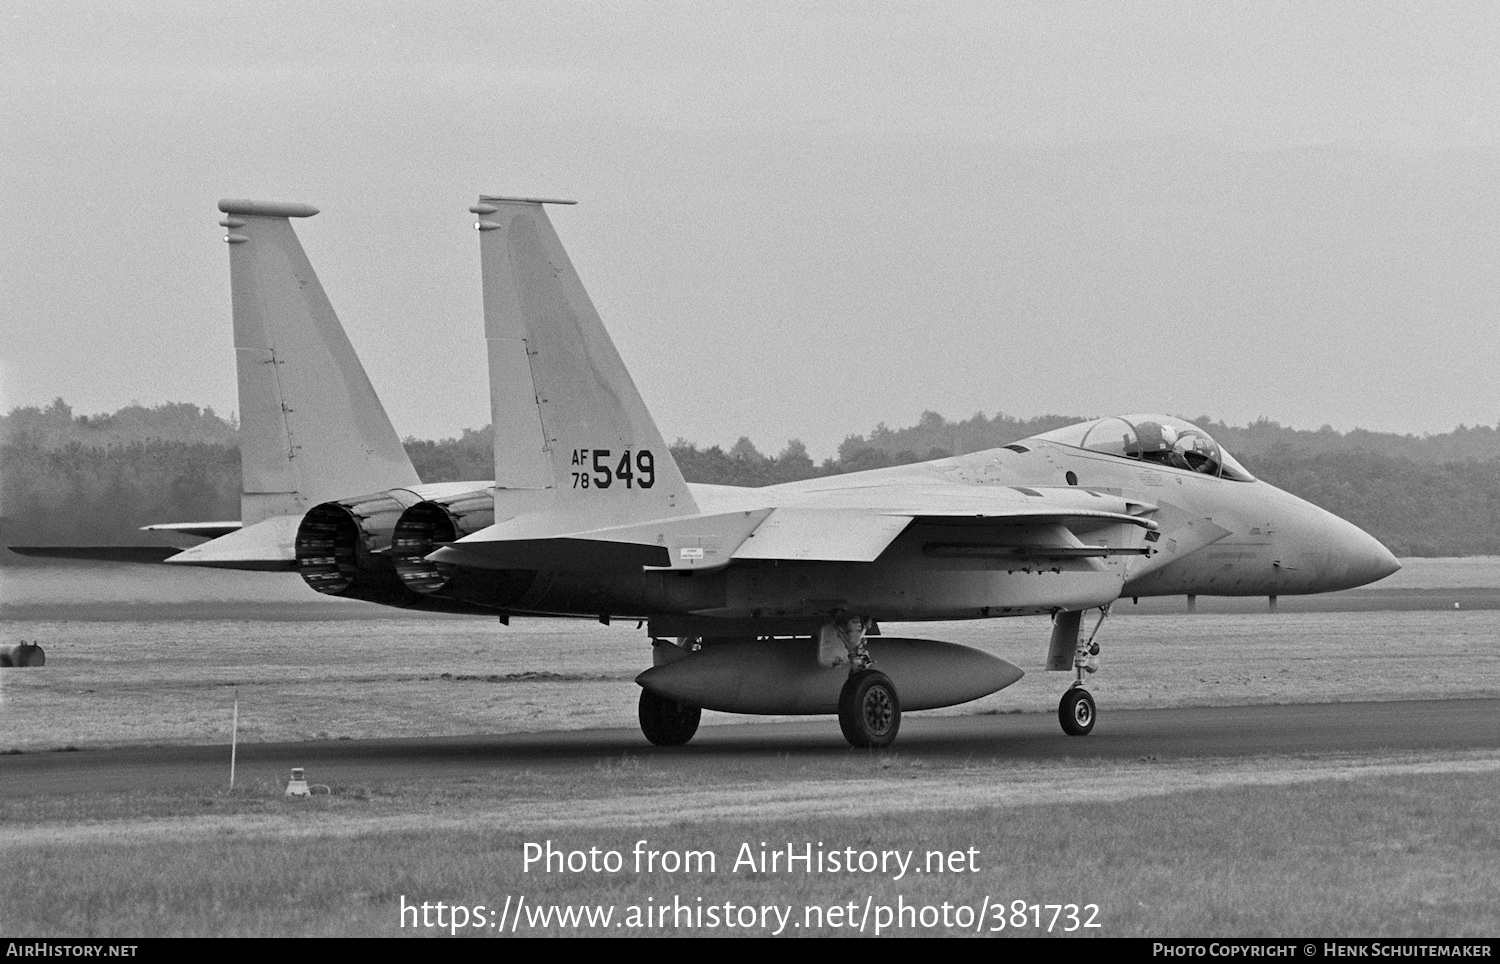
1122	736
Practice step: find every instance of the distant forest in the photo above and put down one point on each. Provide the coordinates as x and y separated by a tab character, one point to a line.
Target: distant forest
94	480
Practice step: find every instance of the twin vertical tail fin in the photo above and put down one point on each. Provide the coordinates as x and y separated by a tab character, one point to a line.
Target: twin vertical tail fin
575	447
311	427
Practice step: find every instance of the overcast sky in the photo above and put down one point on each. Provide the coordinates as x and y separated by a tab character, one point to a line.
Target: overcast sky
798	220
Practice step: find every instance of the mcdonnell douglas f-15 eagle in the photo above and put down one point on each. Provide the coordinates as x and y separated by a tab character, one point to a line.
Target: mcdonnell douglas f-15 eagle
756	600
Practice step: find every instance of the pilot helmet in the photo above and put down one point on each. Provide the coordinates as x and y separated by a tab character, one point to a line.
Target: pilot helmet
1199	451
1154	437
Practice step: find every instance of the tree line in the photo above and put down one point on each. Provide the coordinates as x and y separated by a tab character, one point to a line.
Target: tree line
94	480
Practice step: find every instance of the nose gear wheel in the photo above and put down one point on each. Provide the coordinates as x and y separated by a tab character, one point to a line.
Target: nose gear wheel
1077	712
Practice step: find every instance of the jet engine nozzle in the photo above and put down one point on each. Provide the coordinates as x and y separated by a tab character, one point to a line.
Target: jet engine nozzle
342	547
426	526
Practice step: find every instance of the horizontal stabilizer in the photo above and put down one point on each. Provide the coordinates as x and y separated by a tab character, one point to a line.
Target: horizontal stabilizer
264	547
185	535
98	553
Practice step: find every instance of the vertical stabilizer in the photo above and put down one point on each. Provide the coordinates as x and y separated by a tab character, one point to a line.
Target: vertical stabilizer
311	426
574	442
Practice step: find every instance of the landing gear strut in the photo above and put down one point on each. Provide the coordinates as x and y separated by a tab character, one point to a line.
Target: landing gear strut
1076	711
869	709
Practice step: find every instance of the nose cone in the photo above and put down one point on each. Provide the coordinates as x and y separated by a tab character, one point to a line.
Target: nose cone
1368	560
1353	557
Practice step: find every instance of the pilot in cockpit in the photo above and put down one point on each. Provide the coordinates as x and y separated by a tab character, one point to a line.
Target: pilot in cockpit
1197	452
1166	445
1154	442
1160	439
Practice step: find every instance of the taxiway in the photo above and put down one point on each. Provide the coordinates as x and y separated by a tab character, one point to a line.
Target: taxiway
1123	736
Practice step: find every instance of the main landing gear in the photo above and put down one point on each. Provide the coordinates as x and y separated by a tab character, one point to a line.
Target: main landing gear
1076	710
869	709
667	722
868	706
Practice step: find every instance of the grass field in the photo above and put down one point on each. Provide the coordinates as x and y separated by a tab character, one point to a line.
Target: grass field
175	681
1318	846
1322	848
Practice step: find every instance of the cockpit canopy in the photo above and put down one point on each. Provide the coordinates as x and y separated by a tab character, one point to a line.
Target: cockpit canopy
1161	439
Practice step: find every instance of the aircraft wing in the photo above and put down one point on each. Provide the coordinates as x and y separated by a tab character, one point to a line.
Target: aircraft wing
854	525
542	541
796	533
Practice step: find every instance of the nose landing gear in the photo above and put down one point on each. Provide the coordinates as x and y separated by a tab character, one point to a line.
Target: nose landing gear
1076	711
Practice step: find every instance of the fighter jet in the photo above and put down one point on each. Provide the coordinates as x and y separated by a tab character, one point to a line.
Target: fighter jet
763	600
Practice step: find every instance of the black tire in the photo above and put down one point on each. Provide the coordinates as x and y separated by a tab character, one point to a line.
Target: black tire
869	710
667	722
1077	712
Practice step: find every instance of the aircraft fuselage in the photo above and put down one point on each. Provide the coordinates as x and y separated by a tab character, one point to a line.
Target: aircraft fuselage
1276	544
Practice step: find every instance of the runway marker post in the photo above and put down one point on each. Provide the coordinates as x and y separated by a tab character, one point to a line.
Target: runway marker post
234	736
